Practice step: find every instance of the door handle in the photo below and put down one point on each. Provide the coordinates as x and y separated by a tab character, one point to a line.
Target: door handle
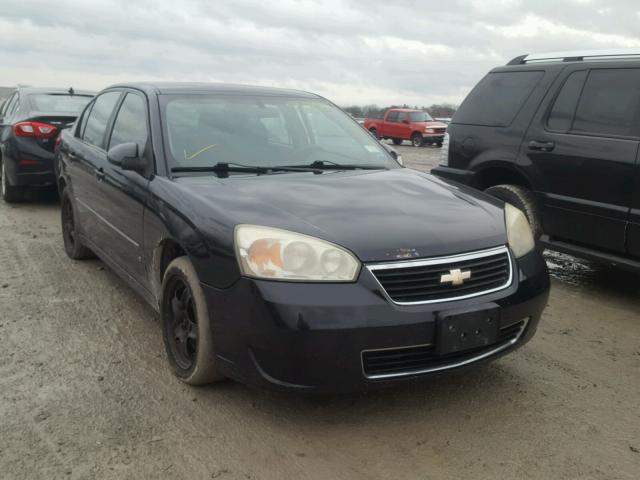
541	146
99	172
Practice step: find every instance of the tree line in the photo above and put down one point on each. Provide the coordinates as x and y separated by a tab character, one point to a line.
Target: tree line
374	111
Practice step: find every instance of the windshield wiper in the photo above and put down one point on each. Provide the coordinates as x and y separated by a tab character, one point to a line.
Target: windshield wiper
328	164
224	168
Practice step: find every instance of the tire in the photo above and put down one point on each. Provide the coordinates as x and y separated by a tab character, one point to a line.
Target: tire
374	132
397	141
186	325
439	144
72	245
416	139
10	193
523	199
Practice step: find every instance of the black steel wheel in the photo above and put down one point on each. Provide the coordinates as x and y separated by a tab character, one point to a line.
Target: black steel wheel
72	244
186	325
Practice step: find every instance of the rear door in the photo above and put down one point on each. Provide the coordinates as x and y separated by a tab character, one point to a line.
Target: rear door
583	147
124	193
391	125
86	162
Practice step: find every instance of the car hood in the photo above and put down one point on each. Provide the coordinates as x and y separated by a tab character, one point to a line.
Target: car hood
379	215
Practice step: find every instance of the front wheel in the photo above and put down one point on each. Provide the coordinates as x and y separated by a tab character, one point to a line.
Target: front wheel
416	139
10	193
186	325
523	199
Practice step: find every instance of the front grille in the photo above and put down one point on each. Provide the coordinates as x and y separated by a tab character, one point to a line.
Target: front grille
439	130
395	362
421	281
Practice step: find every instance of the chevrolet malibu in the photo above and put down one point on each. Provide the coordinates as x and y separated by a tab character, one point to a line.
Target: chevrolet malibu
284	247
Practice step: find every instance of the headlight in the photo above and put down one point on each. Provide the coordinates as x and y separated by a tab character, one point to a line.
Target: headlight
274	254
518	231
429	130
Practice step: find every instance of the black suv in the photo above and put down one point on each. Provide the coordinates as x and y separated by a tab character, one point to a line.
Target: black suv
557	135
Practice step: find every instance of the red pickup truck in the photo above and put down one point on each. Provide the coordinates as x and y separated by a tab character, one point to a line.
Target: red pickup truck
401	124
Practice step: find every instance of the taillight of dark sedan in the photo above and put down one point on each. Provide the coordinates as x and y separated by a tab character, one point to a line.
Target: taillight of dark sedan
284	247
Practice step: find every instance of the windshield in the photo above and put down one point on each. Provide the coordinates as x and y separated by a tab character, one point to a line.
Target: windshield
58	103
266	131
420	117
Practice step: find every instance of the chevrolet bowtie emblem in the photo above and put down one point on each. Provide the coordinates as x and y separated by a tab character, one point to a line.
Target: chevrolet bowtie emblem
455	277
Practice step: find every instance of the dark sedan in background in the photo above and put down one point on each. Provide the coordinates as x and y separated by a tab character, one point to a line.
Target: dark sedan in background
30	121
283	246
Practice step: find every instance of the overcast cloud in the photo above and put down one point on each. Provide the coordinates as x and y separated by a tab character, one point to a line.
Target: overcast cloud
394	51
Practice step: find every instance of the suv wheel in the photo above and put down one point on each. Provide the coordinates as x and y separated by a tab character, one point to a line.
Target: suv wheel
397	141
10	193
374	132
523	199
186	325
416	139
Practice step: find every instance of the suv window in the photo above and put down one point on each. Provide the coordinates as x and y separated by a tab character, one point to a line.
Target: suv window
497	98
402	116
609	103
393	116
99	117
564	107
131	122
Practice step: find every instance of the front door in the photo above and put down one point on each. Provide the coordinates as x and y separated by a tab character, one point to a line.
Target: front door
584	149
125	192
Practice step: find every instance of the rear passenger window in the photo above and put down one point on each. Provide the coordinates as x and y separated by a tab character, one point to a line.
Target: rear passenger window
497	98
99	117
131	123
402	116
609	103
392	117
564	107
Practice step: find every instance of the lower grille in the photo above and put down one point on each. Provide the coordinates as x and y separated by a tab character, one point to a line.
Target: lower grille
439	130
414	360
426	281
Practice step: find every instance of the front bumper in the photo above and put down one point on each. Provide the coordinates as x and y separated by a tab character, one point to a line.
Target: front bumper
433	137
311	337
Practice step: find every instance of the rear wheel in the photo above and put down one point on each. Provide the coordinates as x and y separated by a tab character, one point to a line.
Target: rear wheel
10	193
186	325
374	132
72	244
397	141
416	139
523	199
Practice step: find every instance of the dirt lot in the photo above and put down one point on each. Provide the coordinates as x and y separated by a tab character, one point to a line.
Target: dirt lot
85	391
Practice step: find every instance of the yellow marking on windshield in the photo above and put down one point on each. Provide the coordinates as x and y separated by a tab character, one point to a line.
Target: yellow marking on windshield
199	152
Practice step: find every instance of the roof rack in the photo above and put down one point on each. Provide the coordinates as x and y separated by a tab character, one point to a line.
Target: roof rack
577	56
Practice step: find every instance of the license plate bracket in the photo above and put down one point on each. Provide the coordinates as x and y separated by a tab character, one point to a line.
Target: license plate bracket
466	331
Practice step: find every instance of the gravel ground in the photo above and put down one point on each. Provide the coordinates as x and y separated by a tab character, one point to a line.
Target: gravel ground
85	391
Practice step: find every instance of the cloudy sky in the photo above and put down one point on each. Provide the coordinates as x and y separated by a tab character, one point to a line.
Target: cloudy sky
351	51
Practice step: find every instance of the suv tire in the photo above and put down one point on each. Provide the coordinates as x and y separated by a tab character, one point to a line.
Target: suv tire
416	139
374	132
523	199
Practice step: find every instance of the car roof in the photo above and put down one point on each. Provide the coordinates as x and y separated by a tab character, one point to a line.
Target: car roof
162	88
33	90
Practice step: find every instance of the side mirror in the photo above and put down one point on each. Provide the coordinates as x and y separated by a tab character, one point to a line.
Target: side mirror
126	157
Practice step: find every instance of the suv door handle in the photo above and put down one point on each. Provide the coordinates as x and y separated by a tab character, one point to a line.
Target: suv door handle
99	172
541	146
